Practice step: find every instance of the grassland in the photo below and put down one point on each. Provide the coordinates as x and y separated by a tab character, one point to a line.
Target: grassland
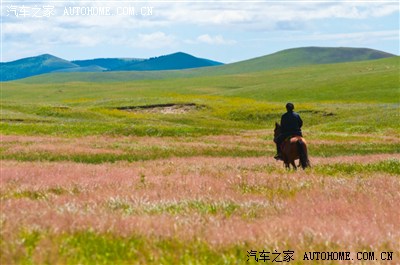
280	60
354	97
85	182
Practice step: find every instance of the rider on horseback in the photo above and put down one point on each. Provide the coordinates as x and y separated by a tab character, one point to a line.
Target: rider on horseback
291	125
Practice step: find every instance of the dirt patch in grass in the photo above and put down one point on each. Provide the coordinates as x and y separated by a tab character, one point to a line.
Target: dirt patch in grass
170	108
18	120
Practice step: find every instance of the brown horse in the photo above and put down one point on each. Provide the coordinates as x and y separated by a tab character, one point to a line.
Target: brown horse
293	148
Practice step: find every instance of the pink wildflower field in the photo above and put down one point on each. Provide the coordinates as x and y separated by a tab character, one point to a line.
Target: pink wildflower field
222	201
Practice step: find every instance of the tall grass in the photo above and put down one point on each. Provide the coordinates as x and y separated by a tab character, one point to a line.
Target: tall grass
196	210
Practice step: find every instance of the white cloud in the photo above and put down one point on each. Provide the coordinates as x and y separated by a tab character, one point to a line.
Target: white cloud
351	38
241	15
154	40
13	28
266	15
214	40
359	36
243	20
384	10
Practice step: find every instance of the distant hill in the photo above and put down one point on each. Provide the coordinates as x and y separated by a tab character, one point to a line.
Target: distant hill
31	66
108	63
175	61
301	57
91	68
50	64
181	65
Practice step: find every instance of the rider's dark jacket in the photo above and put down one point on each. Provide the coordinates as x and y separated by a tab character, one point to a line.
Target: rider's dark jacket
291	124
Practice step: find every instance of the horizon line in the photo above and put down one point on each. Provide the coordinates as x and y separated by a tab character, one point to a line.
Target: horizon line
70	60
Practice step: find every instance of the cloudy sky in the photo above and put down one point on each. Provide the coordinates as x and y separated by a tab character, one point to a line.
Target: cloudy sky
225	31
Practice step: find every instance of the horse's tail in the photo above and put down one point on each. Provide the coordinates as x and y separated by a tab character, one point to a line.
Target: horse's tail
303	154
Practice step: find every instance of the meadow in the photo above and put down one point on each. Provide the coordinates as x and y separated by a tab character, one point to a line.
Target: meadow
179	170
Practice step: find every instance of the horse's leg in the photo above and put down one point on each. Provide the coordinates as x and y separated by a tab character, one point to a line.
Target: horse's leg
287	166
285	158
294	165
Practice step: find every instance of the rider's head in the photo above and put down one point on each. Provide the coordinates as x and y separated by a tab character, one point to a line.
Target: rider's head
289	107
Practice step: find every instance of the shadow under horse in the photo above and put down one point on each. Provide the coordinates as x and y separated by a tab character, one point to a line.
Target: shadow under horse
293	148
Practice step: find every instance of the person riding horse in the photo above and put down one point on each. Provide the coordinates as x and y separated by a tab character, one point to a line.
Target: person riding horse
291	124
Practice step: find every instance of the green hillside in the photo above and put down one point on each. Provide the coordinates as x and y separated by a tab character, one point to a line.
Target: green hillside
49	64
175	61
33	66
107	63
92	68
280	60
304	56
344	97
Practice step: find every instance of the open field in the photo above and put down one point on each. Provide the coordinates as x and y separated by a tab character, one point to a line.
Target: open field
357	97
90	174
196	210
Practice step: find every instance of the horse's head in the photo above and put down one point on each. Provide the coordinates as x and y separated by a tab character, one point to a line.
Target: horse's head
277	130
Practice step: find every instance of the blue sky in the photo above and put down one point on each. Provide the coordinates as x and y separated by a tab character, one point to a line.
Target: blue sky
225	31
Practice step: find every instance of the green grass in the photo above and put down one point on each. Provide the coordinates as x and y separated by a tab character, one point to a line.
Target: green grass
91	248
391	166
344	82
185	207
359	97
144	153
284	190
87	247
349	149
40	194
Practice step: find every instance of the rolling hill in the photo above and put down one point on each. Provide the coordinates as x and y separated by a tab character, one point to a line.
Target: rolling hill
301	57
175	61
108	63
280	60
31	66
47	63
90	68
344	97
